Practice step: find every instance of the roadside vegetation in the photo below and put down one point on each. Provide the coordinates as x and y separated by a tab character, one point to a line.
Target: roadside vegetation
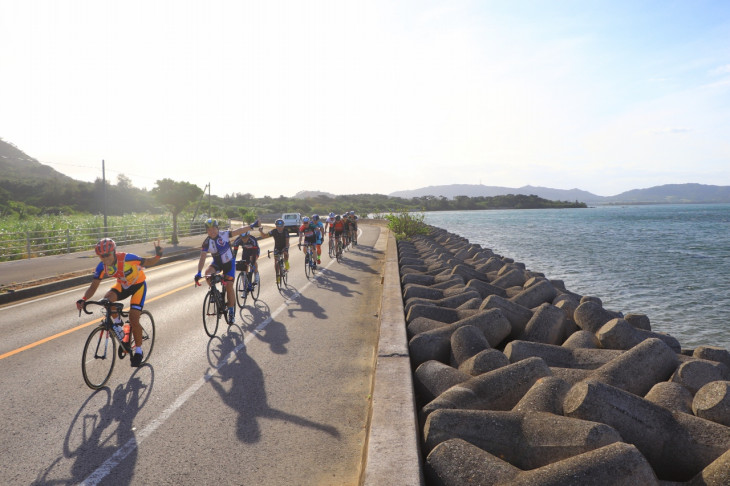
406	225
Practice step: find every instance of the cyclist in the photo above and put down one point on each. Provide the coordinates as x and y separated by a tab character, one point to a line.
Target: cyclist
218	244
127	268
337	228
345	230
319	231
328	224
307	232
281	244
249	254
353	227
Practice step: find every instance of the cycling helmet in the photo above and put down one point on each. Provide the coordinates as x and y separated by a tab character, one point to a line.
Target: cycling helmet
332	215
105	245
315	217
211	223
305	219
337	218
279	222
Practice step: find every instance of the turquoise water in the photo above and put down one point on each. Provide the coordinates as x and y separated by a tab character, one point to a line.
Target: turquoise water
670	262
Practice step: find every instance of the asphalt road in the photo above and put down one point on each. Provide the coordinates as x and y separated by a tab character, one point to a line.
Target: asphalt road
281	398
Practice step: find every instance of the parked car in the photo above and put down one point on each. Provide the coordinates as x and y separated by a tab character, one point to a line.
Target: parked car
292	222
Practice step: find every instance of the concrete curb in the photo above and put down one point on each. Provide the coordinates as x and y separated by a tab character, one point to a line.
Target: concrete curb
64	284
393	449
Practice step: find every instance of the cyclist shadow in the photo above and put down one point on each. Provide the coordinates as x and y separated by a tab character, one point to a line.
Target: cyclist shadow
246	394
306	305
333	283
273	332
103	426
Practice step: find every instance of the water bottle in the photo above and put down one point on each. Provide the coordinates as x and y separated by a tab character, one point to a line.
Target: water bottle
125	328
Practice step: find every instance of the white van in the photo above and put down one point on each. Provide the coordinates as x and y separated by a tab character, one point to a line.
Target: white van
292	222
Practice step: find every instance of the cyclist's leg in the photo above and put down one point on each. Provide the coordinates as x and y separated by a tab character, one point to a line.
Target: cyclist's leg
136	303
229	274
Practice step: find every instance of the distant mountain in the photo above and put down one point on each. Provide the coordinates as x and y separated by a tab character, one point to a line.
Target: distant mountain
312	194
17	166
668	193
476	190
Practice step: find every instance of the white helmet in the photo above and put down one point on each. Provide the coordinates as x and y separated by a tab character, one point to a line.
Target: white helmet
332	215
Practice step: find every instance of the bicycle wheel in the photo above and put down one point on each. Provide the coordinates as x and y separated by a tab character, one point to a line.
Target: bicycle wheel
332	249
241	292
210	314
256	288
339	251
307	267
148	335
98	358
284	273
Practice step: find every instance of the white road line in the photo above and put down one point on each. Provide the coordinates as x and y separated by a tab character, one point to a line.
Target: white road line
102	471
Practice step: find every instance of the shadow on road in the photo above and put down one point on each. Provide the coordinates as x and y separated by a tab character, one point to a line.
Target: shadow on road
240	385
102	434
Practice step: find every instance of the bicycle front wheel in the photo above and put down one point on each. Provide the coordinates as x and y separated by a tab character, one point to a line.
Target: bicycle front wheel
284	274
332	249
307	267
256	288
148	335
210	314
241	292
98	358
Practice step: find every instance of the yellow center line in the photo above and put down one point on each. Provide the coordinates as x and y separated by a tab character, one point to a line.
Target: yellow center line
69	331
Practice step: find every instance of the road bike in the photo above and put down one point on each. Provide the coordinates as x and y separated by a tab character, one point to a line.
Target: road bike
100	351
338	249
245	284
332	246
310	260
214	304
353	237
281	271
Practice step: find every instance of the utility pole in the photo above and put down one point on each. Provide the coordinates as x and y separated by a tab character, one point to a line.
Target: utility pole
209	206
103	185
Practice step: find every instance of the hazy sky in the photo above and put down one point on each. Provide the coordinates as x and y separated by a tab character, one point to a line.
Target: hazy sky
274	97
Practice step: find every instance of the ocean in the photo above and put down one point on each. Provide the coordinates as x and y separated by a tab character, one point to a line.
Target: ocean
670	262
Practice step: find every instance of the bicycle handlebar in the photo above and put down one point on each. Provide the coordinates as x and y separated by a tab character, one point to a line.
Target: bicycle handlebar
106	304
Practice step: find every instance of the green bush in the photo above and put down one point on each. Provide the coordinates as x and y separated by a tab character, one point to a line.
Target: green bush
406	225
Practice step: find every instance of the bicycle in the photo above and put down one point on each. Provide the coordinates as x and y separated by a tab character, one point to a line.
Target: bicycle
281	271
332	247
244	284
100	355
214	304
338	249
310	260
354	236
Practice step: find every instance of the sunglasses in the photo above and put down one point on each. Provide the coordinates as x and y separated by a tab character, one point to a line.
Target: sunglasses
105	255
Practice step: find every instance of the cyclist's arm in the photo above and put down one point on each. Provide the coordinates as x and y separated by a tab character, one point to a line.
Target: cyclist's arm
92	288
201	262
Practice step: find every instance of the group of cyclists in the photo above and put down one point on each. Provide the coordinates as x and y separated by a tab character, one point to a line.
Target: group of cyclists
223	245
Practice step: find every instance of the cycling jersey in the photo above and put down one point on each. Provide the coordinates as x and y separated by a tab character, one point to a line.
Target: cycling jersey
281	238
338	227
249	248
127	269
220	248
309	232
319	231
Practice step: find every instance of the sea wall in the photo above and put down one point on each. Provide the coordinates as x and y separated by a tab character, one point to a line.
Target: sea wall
518	380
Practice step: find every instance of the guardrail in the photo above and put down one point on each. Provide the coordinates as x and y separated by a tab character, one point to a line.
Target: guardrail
16	246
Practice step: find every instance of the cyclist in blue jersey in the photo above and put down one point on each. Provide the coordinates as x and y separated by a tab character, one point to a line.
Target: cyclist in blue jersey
218	244
319	232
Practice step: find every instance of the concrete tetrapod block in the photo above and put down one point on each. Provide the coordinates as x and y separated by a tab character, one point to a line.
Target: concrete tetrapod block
500	389
466	342
713	353
696	373
547	325
457	462
546	395
591	316
619	334
581	339
484	362
639	321
513	278
451	302
672	396
516	314
712	402
493	264
540	293
436	344
640	368
485	289
525	440
559	356
443	314
424	324
716	474
432	378
677	445
469	273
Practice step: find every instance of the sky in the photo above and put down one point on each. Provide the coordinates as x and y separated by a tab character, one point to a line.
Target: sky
350	96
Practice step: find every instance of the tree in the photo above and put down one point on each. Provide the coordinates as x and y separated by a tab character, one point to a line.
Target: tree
176	196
